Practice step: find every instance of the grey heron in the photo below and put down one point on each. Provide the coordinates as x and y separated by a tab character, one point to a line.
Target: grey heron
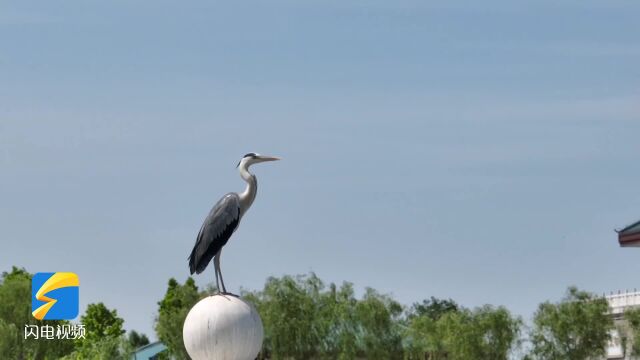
223	220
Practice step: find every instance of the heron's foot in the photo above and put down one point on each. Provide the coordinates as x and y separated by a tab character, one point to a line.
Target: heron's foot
224	293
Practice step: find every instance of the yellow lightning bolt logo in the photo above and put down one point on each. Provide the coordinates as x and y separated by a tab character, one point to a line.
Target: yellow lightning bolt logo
56	281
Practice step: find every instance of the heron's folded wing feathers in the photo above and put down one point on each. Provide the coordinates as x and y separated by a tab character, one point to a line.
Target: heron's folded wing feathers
215	232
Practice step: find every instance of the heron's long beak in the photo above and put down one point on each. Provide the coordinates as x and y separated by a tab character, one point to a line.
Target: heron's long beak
267	158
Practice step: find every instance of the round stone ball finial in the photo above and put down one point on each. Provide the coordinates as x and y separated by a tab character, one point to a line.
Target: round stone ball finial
222	327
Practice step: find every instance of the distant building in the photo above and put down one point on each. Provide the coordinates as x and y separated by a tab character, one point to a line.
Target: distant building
149	352
619	348
630	235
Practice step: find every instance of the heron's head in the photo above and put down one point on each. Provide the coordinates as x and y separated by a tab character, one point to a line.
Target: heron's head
253	158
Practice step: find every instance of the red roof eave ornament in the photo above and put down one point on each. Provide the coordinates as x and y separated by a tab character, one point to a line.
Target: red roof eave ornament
629	240
630	236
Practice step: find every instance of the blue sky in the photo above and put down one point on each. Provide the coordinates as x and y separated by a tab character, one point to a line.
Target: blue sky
483	151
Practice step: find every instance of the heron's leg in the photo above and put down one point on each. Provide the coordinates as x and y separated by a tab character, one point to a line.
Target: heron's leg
216	265
217	261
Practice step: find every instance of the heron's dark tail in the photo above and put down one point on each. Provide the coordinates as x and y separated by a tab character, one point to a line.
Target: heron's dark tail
192	263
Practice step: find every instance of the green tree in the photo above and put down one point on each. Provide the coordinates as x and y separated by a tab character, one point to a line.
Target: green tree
173	309
303	319
452	332
15	313
137	339
377	317
9	340
433	308
103	335
483	333
100	322
289	308
423	336
109	348
577	328
632	317
338	316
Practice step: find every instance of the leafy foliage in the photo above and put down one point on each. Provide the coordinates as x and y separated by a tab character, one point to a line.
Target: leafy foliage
452	332
484	333
633	321
103	335
434	308
173	309
377	318
100	322
303	319
108	348
103	327
137	340
577	328
9	340
15	313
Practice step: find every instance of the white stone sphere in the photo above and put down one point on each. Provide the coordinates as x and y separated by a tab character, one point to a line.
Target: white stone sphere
222	327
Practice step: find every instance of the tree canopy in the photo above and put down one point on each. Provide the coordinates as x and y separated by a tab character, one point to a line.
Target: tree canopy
103	335
305	318
172	311
576	328
632	317
137	340
433	308
15	313
443	330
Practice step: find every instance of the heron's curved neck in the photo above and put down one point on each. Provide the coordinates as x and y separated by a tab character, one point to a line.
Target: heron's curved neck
249	193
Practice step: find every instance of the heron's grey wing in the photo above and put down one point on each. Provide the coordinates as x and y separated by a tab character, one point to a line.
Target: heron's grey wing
216	230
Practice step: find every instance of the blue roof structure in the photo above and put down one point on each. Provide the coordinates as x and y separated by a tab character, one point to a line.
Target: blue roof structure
149	352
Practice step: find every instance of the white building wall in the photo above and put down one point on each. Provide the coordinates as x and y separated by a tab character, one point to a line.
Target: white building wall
618	303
